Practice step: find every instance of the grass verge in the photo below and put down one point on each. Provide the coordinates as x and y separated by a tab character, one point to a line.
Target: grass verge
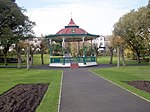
12	77
106	59
130	73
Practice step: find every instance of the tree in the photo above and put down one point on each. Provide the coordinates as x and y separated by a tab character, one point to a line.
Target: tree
26	46
28	57
57	48
13	0
148	4
133	27
43	47
19	47
32	50
95	48
118	43
14	25
111	48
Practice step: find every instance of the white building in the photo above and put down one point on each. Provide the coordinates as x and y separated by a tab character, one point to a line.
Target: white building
102	42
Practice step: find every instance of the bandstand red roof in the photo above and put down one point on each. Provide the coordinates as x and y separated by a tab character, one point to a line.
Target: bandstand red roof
72	23
72	32
71	28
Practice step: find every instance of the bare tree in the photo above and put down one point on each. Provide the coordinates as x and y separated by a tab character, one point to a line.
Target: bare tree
118	42
43	47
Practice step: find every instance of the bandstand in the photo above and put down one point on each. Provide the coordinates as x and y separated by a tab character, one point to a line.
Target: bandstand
72	33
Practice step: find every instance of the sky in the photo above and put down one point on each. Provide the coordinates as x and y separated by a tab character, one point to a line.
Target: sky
94	16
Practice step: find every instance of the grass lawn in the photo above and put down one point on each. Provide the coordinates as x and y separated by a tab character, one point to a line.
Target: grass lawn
129	73
36	60
105	60
100	60
12	77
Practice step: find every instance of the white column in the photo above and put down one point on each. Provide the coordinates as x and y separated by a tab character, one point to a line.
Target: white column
63	42
63	45
95	46
83	40
91	48
83	46
50	45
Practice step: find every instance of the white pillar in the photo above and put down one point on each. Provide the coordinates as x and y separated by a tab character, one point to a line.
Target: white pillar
63	45
95	47
91	48
84	60
63	42
50	45
83	40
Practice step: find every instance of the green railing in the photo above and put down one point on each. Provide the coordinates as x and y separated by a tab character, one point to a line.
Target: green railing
73	59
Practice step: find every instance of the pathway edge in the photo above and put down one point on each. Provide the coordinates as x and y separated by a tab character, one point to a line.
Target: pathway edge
120	86
60	91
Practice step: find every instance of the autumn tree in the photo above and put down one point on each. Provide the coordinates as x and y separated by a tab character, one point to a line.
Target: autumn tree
43	47
118	43
19	47
111	48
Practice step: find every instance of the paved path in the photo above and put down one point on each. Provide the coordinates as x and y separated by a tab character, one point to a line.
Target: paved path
82	91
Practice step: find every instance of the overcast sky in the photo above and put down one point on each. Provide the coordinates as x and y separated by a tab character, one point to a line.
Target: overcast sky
94	16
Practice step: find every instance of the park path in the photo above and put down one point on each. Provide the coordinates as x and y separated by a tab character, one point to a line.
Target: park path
82	91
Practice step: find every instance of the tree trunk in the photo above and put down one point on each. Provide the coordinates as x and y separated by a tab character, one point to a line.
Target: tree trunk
31	58
138	56
111	56
122	56
28	62
19	59
42	59
149	57
5	50
118	54
5	59
18	51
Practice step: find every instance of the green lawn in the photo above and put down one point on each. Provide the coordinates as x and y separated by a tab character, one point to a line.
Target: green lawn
12	77
129	73
100	60
36	60
105	60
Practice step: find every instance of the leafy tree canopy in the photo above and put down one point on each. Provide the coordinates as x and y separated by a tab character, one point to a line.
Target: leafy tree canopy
134	27
14	25
13	20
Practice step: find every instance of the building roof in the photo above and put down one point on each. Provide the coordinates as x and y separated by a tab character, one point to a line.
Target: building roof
71	23
71	28
72	32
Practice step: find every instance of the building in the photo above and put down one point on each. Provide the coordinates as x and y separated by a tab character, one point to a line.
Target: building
73	33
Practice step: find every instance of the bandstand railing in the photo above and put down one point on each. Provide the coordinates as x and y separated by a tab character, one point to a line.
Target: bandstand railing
64	60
